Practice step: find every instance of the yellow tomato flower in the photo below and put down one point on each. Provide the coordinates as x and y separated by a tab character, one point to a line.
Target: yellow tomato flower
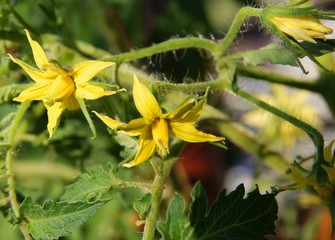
59	88
154	127
304	178
304	28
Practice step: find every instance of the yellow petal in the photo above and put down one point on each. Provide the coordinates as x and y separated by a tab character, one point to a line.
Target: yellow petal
328	151
85	71
145	101
38	52
89	91
54	113
136	126
111	123
60	89
189	133
34	73
146	149
71	103
330	172
160	134
36	92
286	26
192	114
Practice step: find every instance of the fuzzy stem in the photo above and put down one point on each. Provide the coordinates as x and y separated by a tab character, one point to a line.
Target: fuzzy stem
157	192
239	19
9	165
314	134
169	45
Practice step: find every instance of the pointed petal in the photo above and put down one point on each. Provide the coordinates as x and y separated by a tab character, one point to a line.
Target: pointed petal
54	113
38	52
330	172
188	113
189	133
34	73
91	92
85	71
145	101
160	134
136	126
36	92
111	123
146	149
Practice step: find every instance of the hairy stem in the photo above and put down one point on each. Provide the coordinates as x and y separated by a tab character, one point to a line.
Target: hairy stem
169	45
9	165
157	192
314	134
239	19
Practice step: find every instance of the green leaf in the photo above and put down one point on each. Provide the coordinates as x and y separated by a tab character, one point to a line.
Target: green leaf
175	223
321	48
89	186
276	53
198	207
234	217
8	92
142	205
56	219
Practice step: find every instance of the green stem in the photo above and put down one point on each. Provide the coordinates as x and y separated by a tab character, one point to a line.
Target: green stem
239	19
314	134
169	45
157	192
88	117
20	19
273	77
9	165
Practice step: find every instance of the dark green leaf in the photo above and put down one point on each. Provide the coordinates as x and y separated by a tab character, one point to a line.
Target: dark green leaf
175	223
234	217
89	186
198	206
54	220
142	206
321	48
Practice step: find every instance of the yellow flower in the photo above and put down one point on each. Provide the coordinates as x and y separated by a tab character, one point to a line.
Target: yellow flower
59	88
304	27
154	127
304	178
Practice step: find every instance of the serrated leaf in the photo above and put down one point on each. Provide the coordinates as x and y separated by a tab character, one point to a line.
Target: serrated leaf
234	217
8	92
89	186
175	223
56	219
129	145
276	53
198	207
142	205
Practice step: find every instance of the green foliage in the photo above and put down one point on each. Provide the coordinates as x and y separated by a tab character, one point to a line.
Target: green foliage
56	219
89	186
142	205
230	217
276	53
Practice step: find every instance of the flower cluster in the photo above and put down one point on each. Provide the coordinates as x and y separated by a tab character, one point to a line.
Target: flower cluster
60	89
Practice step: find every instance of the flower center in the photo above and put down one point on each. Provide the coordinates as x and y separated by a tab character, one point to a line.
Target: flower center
160	134
61	88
